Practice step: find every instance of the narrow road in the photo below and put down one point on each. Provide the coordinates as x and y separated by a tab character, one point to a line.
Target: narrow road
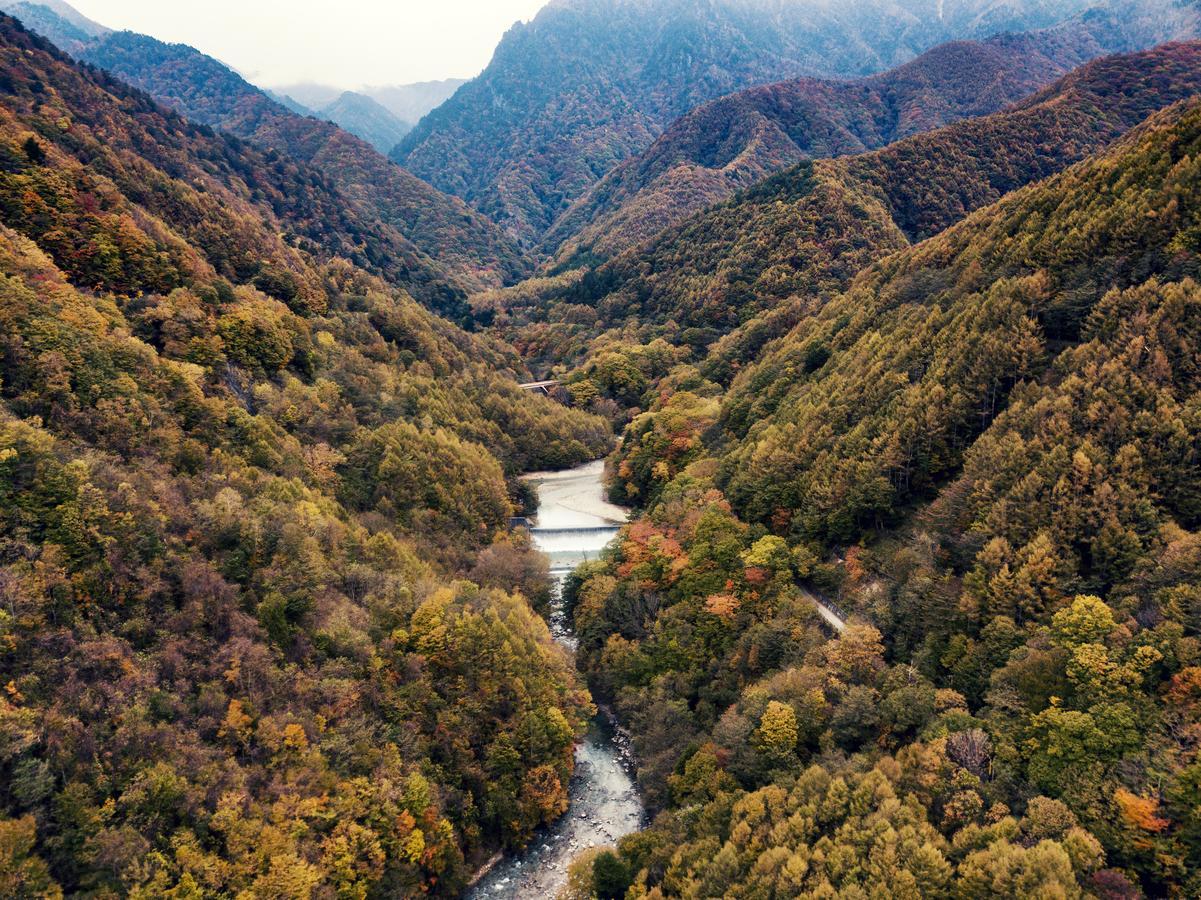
831	618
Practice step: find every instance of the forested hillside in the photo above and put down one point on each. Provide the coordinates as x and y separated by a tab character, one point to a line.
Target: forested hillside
239	477
794	238
909	604
452	249
987	449
454	236
63	24
365	118
589	83
733	142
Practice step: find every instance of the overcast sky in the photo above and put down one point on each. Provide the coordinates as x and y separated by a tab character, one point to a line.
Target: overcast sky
346	43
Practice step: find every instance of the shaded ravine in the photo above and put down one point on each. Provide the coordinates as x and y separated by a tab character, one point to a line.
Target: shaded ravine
574	524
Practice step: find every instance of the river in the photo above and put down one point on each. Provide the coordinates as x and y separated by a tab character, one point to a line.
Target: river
574	524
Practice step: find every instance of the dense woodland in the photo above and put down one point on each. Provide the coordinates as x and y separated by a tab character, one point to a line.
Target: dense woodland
987	450
733	142
433	244
238	482
265	632
459	245
798	236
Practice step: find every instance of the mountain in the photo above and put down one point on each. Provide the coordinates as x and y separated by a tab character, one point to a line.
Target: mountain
308	212
588	83
410	102
805	232
365	118
458	250
910	602
130	200
407	102
467	245
730	143
62	23
241	480
309	94
288	102
984	453
1079	213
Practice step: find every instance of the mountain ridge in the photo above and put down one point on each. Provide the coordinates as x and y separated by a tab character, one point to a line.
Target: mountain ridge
268	627
241	482
366	118
734	141
984	449
745	267
455	250
587	84
408	102
731	142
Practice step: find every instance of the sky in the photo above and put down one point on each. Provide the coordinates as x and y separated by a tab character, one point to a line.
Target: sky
344	43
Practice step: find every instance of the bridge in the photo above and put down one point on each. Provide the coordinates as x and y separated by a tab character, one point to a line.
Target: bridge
543	386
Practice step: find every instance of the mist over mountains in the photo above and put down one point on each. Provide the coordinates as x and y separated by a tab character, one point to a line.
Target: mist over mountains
379	115
365	118
408	102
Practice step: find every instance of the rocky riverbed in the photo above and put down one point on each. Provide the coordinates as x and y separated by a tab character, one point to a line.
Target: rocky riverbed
574	523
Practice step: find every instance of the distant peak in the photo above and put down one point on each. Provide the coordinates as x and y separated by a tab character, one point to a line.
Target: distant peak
64	11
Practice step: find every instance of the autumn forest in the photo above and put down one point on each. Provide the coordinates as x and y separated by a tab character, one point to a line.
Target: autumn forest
885	318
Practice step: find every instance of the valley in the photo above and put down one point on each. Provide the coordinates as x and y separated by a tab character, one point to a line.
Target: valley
725	448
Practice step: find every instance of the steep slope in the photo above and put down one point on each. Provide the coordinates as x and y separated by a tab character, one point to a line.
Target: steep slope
467	245
808	230
65	26
1055	266
367	119
728	144
238	479
312	212
459	250
589	83
145	206
130	199
987	446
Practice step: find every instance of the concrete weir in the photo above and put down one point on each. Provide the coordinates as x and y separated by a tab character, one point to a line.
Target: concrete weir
574	524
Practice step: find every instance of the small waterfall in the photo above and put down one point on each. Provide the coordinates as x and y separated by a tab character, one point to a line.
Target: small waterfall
575	524
581	531
569	547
